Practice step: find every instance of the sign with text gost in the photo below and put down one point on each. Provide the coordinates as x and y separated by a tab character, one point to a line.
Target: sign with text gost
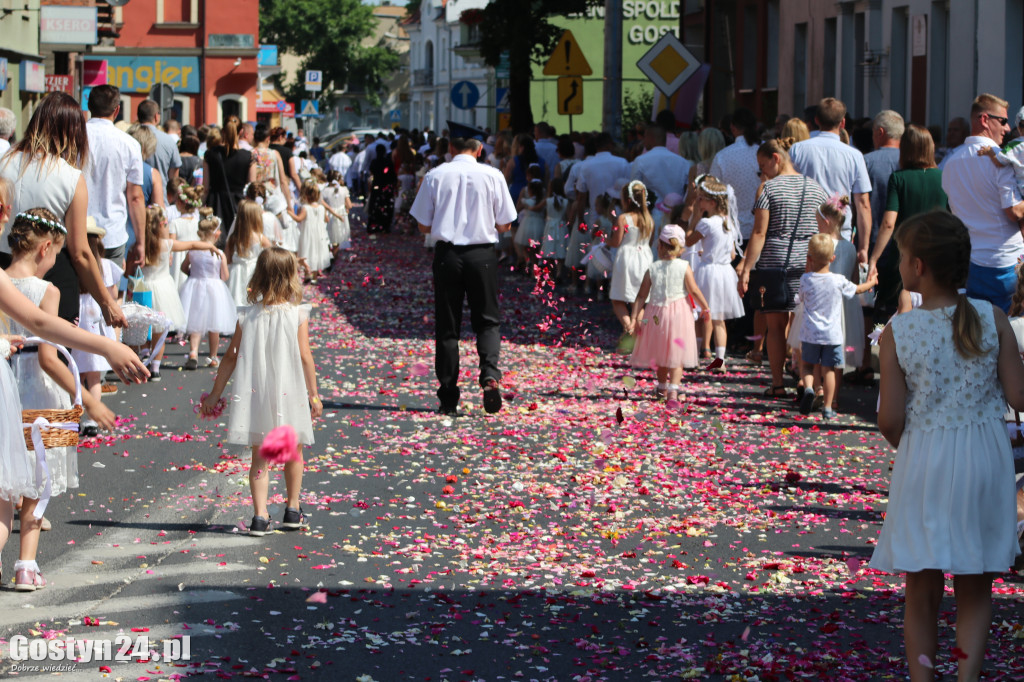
314	81
567	58
668	64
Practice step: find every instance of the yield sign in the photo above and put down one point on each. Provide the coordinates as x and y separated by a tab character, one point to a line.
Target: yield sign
668	64
567	58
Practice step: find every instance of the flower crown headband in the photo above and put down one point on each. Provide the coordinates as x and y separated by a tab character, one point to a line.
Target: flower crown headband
39	220
632	187
245	191
699	183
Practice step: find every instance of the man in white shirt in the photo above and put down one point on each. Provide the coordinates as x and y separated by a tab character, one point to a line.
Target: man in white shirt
661	170
465	205
598	173
736	166
546	146
113	177
985	197
166	158
8	122
839	169
340	161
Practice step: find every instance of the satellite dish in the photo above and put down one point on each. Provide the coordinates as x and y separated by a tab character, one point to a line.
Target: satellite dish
117	3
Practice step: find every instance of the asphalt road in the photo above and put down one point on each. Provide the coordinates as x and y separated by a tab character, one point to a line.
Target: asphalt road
584	533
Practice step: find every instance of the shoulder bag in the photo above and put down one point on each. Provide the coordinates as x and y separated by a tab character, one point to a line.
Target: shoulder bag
767	286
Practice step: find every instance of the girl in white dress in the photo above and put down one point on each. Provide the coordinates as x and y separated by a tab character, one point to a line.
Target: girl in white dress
270	350
18	472
273	228
632	237
336	196
948	369
172	192
157	274
531	219
185	228
91	367
709	225
206	299
44	381
314	245
554	242
244	245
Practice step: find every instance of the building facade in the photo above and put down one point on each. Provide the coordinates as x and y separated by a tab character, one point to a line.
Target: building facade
441	56
184	44
22	74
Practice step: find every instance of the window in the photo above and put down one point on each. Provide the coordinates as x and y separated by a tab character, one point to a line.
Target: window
182	109
831	45
937	113
800	68
771	74
177	11
125	113
898	63
231	105
748	79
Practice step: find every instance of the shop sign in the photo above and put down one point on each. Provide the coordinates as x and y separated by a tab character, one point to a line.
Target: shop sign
140	73
33	77
3	73
58	83
67	25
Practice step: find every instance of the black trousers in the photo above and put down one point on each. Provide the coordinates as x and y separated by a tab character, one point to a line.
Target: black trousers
465	273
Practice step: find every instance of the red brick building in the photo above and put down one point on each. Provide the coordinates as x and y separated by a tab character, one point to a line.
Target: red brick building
186	44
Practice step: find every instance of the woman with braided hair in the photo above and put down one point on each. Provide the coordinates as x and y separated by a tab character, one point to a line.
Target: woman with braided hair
948	369
632	237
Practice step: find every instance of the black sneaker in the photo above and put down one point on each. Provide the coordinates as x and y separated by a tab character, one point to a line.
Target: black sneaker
807	402
192	363
259	527
448	410
492	396
294	518
154	375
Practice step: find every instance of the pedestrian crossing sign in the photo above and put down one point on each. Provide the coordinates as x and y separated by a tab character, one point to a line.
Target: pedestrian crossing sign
309	108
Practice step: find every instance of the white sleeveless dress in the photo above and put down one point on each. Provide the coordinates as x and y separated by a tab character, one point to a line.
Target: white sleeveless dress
240	272
951	499
338	229
631	262
268	384
716	277
164	288
313	241
17	465
556	238
206	299
40	392
38	184
184	229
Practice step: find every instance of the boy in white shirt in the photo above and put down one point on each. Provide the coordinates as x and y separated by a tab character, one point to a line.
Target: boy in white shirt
821	336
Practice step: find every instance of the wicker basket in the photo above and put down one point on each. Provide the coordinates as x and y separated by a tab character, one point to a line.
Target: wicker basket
63	431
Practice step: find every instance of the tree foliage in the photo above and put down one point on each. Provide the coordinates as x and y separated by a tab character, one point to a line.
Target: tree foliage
523	29
328	36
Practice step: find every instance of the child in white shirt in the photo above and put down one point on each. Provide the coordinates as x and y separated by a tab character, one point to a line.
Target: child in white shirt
821	336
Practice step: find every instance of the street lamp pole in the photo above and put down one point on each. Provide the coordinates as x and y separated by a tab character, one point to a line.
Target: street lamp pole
612	110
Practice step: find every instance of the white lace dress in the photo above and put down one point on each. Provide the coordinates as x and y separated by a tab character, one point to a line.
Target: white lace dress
164	288
184	229
268	383
716	278
338	229
556	237
39	392
631	262
17	465
240	272
952	498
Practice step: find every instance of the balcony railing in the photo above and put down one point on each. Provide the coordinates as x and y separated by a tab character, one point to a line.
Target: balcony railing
423	77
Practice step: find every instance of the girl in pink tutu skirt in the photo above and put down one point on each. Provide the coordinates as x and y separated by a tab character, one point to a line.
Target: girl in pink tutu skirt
663	323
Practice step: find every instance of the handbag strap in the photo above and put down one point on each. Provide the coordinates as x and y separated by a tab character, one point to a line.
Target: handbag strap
799	214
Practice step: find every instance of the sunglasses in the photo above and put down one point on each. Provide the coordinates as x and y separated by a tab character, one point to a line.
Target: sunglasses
1002	119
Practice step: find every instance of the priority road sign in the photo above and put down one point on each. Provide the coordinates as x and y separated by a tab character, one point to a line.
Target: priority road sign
314	81
567	58
465	95
570	95
668	64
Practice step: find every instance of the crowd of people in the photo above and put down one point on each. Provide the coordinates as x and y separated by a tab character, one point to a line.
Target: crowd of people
807	241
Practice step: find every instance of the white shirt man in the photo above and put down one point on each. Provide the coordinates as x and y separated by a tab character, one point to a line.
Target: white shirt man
661	170
736	166
986	198
598	174
115	160
465	205
340	161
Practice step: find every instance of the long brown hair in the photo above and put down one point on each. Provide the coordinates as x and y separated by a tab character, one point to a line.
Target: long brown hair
248	227
634	200
229	135
56	131
276	278
155	218
942	242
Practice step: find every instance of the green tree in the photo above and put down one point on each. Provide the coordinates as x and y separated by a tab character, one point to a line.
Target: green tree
522	28
328	35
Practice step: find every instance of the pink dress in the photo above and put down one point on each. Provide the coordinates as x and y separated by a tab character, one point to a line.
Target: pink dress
667	336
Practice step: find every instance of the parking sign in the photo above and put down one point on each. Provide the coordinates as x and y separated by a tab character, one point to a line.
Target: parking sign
314	81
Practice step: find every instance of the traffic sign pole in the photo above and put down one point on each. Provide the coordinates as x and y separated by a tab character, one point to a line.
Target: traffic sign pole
612	110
